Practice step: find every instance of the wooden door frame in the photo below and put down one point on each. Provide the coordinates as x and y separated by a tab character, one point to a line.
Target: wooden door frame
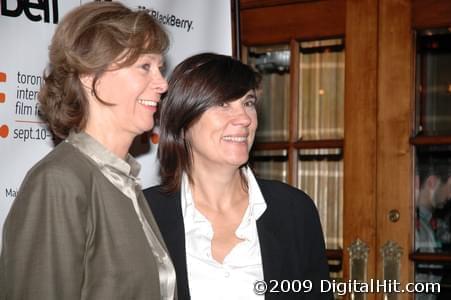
360	123
379	104
394	127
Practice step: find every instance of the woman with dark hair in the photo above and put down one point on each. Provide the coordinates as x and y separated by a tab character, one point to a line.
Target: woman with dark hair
226	231
79	227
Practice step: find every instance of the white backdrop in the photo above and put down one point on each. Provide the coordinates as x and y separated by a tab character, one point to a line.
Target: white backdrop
25	31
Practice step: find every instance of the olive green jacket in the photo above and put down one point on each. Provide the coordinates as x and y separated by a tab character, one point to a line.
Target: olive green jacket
71	234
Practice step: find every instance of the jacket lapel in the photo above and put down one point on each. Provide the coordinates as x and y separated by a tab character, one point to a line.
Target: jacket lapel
270	242
168	211
271	250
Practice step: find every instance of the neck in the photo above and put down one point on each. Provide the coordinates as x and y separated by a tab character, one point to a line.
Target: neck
113	141
219	190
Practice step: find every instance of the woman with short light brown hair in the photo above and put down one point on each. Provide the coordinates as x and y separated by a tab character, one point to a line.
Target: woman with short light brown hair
79	227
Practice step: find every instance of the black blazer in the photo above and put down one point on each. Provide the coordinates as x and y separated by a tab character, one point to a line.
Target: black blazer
289	231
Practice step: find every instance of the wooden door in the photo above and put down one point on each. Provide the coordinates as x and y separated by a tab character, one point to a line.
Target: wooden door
379	115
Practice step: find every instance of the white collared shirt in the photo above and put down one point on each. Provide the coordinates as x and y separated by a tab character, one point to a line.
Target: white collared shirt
235	277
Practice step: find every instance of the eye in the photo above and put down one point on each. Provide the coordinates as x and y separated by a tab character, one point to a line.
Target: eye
145	66
223	104
249	103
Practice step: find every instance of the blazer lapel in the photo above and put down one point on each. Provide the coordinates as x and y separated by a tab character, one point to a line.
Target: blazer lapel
271	251
150	219
168	212
270	243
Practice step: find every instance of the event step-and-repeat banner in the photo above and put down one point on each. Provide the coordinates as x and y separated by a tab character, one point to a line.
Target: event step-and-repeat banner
26	28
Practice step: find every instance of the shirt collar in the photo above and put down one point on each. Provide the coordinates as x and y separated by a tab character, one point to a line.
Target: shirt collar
102	156
186	196
257	203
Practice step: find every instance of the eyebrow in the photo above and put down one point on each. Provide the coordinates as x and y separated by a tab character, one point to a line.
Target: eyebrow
251	95
153	57
160	61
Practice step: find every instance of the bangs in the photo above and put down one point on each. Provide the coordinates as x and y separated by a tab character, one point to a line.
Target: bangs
231	81
146	37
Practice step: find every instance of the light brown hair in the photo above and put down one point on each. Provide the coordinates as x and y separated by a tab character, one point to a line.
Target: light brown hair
88	41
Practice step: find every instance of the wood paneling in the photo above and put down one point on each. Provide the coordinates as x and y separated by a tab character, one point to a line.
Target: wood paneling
293	117
246	4
311	144
395	85
430	258
320	144
378	106
431	13
359	208
280	24
431	140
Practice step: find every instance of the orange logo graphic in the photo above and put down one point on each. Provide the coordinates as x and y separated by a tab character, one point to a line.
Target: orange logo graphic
2	79
4	131
154	138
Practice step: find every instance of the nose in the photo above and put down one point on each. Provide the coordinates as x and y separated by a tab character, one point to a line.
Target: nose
241	116
159	83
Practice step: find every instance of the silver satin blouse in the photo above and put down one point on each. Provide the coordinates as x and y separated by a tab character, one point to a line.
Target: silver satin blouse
123	175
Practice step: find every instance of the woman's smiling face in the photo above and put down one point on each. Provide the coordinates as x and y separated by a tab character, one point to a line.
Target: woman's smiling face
224	134
134	92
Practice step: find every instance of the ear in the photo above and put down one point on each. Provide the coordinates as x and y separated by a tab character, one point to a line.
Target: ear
86	82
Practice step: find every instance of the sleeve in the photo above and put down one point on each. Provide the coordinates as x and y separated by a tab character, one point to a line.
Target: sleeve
317	269
44	238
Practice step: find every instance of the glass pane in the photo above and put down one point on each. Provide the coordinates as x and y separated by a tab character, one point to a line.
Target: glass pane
433	216
433	275
270	164
274	65
321	90
432	199
433	80
321	177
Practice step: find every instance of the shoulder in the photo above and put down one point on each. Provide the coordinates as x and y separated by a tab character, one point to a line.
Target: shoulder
63	163
159	199
63	171
166	208
284	196
157	193
58	183
291	213
278	186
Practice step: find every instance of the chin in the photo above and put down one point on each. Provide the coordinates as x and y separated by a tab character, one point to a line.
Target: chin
148	127
239	162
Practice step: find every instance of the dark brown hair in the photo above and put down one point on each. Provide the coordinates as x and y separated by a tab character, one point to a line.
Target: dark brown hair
198	83
88	41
